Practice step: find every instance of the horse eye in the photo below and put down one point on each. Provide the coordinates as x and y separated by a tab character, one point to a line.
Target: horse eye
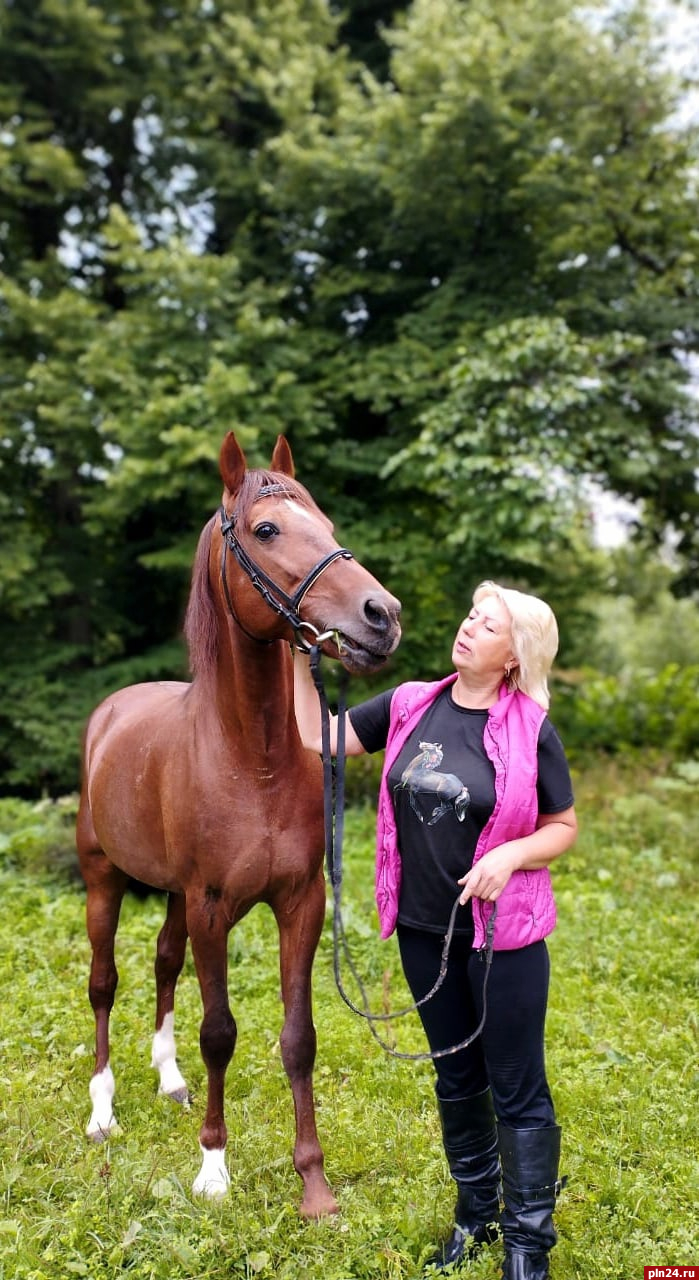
266	531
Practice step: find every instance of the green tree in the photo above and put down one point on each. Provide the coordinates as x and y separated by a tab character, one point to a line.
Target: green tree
518	274
450	250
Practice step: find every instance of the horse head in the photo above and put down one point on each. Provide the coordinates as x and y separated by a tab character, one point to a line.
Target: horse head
286	576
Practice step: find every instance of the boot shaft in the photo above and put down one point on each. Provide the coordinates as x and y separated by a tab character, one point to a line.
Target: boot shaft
530	1186
467	1123
471	1146
530	1158
470	1141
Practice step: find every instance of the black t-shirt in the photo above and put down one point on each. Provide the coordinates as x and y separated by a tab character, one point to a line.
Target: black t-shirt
443	789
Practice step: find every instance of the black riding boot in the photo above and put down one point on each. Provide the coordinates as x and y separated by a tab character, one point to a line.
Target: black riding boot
530	1185
471	1146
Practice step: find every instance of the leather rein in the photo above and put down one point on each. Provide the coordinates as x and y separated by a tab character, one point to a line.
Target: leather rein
334	804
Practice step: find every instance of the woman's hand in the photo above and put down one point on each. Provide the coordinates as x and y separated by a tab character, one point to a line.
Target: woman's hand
555	833
489	876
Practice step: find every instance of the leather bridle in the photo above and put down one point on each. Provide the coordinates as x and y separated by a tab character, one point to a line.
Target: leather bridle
279	601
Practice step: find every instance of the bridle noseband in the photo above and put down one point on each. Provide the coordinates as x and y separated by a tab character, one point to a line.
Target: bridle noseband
273	595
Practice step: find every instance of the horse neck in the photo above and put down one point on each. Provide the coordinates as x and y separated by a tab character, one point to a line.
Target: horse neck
251	690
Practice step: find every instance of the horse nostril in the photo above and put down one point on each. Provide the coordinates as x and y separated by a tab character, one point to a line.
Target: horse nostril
377	615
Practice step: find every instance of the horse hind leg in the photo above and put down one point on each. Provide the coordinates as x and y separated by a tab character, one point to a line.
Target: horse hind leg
299	932
105	886
172	943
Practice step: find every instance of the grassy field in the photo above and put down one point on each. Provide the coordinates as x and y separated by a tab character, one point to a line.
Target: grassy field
623	1034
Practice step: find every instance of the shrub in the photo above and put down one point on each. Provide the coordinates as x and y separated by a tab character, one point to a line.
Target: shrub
39	839
624	713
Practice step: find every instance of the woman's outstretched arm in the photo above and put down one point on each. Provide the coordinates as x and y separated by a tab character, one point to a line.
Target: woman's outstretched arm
307	707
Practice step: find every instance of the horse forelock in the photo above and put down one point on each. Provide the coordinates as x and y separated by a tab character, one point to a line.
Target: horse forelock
255	481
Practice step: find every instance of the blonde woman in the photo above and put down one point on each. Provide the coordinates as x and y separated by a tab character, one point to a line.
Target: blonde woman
476	797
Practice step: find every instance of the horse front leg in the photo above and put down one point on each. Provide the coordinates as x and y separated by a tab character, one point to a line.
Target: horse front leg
208	933
105	891
299	932
172	943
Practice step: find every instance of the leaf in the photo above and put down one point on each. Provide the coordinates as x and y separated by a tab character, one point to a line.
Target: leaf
132	1231
258	1261
163	1189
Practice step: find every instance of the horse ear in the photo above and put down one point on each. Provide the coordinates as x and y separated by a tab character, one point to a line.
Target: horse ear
232	463
282	459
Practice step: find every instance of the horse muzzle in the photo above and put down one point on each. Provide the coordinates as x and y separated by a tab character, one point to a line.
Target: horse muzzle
365	652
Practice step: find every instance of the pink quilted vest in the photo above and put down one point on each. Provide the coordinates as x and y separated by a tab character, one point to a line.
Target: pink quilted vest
526	908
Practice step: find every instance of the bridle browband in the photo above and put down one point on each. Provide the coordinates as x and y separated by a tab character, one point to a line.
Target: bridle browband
273	595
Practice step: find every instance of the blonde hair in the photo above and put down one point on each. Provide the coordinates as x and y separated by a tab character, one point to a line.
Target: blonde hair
534	639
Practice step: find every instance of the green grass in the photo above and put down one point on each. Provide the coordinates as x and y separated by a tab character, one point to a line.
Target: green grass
623	1034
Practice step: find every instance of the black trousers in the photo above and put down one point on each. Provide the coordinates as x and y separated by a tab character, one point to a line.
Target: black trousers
508	1056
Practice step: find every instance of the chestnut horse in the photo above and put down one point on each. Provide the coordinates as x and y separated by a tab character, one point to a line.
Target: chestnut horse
204	790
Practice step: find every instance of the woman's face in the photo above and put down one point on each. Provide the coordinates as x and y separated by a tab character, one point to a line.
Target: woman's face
483	643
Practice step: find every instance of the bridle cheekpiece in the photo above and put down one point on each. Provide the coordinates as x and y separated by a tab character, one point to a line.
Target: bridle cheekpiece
273	595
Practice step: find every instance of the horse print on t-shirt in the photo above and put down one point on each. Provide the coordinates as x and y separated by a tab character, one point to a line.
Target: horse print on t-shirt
422	775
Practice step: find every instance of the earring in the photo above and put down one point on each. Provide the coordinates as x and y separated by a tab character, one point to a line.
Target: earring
508	670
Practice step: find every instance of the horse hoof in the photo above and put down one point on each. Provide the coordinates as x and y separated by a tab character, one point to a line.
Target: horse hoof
321	1205
181	1096
102	1133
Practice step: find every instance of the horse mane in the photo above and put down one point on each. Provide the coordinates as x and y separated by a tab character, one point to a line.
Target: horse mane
200	619
200	623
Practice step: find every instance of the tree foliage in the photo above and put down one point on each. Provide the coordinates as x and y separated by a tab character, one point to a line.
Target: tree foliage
449	250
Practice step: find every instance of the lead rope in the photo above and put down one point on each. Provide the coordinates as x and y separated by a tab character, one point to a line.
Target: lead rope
334	790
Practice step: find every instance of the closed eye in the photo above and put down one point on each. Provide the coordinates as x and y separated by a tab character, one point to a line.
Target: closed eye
473	617
264	532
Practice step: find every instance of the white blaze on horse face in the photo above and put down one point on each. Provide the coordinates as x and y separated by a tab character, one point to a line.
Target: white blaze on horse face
102	1120
299	510
164	1059
212	1180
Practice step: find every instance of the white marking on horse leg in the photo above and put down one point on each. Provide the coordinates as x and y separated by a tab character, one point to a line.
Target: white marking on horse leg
163	1057
102	1120
212	1180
